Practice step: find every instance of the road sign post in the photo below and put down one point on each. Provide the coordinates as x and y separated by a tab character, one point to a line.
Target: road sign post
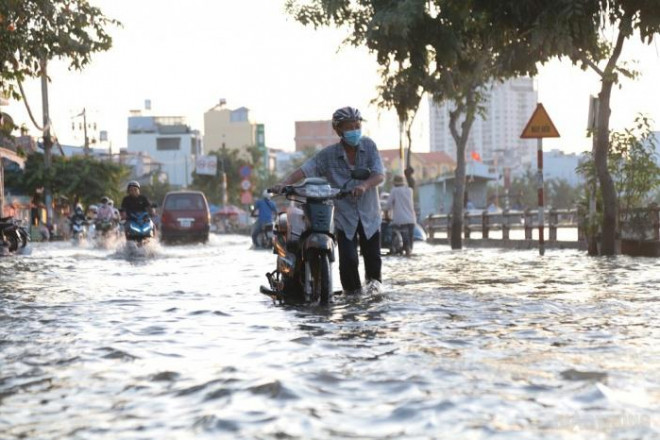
539	126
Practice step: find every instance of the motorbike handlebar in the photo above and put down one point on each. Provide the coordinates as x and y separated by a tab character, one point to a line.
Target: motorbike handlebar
286	189
343	193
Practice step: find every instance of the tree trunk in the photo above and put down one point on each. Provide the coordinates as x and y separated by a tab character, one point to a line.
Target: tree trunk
602	145
457	203
469	108
601	149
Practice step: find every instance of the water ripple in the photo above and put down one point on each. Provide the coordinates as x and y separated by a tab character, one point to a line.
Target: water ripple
477	343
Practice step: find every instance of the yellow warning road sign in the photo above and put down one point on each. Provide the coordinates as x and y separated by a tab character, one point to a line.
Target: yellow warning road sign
540	125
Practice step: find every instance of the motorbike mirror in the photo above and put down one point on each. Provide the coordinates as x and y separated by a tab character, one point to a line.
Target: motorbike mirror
360	173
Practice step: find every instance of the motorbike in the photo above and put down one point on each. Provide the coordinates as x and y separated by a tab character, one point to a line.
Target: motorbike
265	237
304	242
139	228
394	238
13	234
106	229
78	229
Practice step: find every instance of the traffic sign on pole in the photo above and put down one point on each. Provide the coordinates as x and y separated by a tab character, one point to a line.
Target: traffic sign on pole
245	171
540	126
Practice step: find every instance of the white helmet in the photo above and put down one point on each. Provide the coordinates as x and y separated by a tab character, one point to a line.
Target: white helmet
266	194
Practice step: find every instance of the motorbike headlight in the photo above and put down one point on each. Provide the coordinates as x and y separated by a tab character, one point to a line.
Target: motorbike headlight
317	191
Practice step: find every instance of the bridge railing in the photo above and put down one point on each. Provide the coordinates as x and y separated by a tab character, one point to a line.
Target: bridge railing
505	221
642	224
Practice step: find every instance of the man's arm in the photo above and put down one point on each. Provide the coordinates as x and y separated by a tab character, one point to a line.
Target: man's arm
374	180
288	180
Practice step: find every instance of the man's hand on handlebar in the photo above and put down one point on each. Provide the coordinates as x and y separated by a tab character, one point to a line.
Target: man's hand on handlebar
276	189
359	190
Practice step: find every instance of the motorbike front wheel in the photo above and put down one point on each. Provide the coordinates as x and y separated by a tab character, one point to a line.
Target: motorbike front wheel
397	243
322	279
12	238
265	241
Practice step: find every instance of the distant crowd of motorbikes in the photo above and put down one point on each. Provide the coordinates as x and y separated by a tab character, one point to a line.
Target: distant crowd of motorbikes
101	227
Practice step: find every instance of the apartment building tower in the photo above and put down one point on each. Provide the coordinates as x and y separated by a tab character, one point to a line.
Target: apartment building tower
495	137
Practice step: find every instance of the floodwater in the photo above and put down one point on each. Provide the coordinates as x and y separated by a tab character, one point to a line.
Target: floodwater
471	344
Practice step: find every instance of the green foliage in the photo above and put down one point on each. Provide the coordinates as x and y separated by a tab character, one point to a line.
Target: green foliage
82	178
632	163
155	190
523	193
32	30
230	161
562	195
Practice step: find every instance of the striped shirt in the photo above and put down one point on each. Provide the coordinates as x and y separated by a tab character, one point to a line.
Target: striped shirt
332	163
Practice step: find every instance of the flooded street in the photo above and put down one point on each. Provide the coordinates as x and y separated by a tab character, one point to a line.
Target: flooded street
474	344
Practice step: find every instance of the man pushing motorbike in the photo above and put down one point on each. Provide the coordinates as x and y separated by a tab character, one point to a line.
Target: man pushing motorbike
357	217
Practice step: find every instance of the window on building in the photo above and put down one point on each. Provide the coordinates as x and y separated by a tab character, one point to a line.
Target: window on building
168	143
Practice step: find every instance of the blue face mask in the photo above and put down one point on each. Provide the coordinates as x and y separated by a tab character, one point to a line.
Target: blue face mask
352	137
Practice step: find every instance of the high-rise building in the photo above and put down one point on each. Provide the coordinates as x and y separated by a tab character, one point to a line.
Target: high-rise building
495	137
230	129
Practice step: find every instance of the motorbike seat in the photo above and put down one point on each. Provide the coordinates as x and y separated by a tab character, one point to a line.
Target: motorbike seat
311	181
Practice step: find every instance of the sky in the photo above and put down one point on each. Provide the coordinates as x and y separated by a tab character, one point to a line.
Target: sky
184	56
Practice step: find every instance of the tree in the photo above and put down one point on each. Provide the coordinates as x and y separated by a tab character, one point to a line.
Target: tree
36	30
562	195
632	164
81	178
442	47
156	188
403	92
522	192
581	30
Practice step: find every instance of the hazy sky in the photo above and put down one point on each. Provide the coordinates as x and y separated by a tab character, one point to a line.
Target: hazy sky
186	55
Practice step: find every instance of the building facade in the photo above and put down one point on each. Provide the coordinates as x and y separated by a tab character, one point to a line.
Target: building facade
168	140
427	166
230	129
496	135
562	166
314	134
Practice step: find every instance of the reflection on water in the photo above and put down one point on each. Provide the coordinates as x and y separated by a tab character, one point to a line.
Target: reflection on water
177	343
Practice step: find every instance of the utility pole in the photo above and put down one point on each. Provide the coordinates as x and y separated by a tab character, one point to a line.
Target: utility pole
223	178
84	115
48	143
84	127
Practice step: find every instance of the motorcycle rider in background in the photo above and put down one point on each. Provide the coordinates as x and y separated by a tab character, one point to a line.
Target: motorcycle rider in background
357	218
134	202
105	211
265	211
105	217
78	214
